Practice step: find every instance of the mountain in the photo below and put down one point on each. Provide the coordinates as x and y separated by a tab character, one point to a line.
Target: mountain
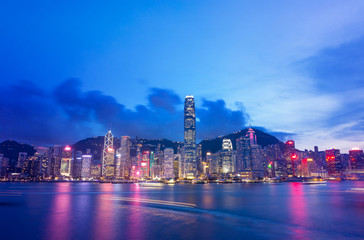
11	150
96	145
214	145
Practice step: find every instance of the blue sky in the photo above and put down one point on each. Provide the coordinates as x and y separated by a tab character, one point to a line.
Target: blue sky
288	66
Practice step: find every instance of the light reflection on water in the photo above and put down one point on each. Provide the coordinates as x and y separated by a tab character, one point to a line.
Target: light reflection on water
128	211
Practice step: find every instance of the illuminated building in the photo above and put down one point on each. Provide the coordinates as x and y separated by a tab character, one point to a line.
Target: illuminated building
66	161
280	167
243	154
96	169
3	165
138	162
199	157
215	163
181	163
258	158
31	166
156	171
86	165
144	165
151	161
252	137
176	164
45	161
125	158
226	156
307	166
108	164
168	163
77	166
22	157
190	137
356	159
333	162
56	156
291	157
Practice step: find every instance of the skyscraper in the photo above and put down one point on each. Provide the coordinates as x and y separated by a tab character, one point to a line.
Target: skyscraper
226	156
86	165
108	165
356	157
66	161
244	154
291	156
190	137
333	162
252	137
168	163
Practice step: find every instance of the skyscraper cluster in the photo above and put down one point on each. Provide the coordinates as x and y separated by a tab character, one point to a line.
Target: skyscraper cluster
135	159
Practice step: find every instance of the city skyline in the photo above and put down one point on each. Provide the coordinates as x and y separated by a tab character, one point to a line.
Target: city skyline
299	76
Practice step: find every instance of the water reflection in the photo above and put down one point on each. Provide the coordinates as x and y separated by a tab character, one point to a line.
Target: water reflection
60	213
298	210
104	225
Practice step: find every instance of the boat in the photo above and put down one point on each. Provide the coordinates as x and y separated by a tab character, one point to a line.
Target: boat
199	181
151	183
224	181
315	181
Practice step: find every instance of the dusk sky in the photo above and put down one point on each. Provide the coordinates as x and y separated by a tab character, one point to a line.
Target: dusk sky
69	69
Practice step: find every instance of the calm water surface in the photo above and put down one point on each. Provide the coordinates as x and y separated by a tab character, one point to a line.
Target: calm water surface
210	211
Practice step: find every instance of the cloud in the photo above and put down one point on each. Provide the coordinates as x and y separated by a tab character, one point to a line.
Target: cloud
337	69
67	114
216	119
283	136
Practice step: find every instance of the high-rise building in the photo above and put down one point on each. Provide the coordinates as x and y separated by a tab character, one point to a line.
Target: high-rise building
77	166
22	157
243	154
190	137
125	158
214	163
168	163
333	162
3	165
199	157
356	159
227	156
108	161
252	137
144	166
66	162
181	163
86	165
176	164
291	157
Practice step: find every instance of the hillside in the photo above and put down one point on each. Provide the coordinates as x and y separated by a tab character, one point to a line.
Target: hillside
214	145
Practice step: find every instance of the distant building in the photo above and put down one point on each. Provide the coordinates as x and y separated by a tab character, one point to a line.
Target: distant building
291	157
77	166
108	157
243	154
66	162
125	158
227	156
86	165
252	137
168	163
190	137
145	164
333	162
356	159
22	157
176	164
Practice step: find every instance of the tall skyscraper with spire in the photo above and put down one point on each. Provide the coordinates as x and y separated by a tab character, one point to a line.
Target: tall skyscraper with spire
190	137
108	164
